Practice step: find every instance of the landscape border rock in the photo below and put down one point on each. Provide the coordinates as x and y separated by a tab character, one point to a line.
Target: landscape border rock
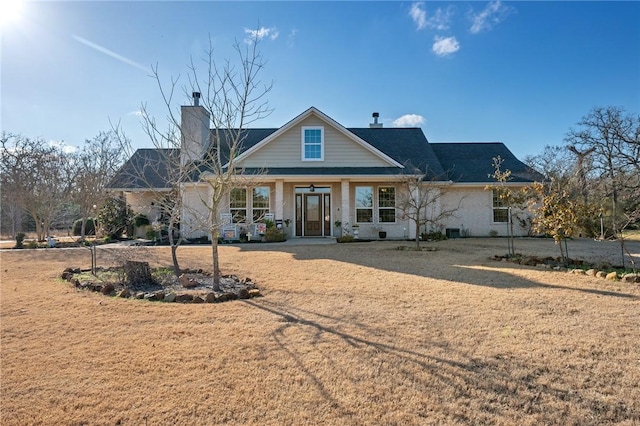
232	288
598	270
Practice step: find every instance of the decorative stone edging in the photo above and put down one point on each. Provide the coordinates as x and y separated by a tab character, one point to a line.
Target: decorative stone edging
171	296
556	265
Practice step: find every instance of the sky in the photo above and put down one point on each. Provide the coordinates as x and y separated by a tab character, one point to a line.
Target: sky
522	73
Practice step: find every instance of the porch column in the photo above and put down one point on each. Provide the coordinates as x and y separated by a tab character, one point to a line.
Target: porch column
344	192
279	207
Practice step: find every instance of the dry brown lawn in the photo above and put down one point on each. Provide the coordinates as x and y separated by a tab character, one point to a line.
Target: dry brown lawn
348	334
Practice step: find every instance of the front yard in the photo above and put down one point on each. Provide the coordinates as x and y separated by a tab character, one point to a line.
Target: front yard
357	333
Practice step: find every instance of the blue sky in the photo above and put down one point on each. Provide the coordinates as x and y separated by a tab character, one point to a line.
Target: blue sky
521	73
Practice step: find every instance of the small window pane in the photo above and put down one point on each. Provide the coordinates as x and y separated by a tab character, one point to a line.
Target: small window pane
364	196
238	205
364	215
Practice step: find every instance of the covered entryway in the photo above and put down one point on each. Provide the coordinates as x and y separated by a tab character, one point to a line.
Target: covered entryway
313	212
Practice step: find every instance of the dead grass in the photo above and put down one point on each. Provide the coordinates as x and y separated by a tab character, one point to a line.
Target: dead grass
346	334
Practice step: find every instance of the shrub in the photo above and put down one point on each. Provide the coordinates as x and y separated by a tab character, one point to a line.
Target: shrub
19	240
141	220
89	228
433	236
32	244
493	233
346	239
151	234
274	235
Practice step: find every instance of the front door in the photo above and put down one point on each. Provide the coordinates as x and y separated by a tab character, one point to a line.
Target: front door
313	213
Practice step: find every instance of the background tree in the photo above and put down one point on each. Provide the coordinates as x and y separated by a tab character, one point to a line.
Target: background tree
95	165
514	199
610	137
420	202
37	176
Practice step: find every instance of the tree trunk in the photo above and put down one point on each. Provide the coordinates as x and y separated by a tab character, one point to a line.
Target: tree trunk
83	228
216	264
174	255
137	272
417	236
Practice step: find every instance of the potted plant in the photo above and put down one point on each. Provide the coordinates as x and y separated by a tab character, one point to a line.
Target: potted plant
338	225
382	234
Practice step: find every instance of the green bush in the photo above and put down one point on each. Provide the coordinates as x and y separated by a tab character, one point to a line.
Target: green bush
141	220
346	239
274	235
89	228
151	234
433	236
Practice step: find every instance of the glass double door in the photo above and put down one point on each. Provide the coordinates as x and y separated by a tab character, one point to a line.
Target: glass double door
313	215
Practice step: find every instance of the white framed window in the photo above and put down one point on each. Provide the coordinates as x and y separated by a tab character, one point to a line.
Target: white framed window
386	204
500	210
364	204
238	205
260	203
312	143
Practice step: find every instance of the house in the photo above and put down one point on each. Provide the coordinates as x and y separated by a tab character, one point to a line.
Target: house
316	178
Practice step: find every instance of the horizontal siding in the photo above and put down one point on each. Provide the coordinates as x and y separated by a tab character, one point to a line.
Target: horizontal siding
339	151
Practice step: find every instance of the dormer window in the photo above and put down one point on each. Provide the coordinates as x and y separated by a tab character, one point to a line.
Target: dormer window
313	144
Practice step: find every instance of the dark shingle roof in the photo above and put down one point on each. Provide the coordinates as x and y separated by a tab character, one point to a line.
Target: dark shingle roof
408	146
473	162
459	162
147	168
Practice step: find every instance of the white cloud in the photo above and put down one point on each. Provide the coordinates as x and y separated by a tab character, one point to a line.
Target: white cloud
444	46
419	15
260	33
494	13
291	39
409	120
136	113
439	21
67	149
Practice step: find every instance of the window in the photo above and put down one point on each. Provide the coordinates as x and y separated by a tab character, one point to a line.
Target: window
386	204
238	205
364	204
500	210
312	144
260	202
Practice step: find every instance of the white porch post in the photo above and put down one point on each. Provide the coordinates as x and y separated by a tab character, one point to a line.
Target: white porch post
344	192
279	207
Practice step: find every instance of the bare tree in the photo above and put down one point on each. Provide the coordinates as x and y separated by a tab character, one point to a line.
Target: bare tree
235	98
95	164
612	138
37	176
230	98
420	201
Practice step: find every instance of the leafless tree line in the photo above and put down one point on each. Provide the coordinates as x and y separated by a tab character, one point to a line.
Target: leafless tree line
52	183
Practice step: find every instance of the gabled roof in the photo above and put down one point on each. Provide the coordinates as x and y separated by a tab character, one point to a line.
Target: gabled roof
147	168
314	111
473	162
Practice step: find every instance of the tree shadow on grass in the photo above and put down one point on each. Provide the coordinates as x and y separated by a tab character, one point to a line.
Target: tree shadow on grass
445	263
468	389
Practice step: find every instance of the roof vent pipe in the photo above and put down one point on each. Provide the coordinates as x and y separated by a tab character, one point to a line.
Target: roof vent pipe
375	124
196	98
